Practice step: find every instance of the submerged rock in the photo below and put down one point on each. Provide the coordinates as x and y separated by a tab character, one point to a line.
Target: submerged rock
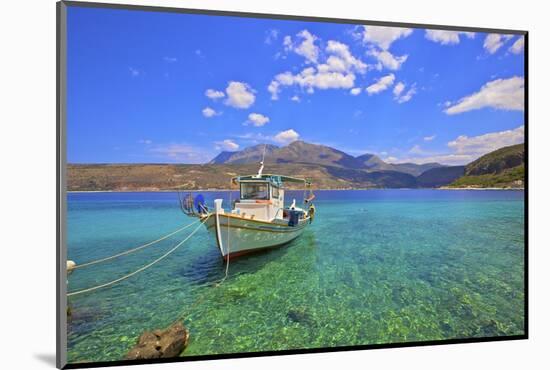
299	315
169	342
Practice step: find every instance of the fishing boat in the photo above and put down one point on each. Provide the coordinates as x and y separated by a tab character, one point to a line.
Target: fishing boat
258	219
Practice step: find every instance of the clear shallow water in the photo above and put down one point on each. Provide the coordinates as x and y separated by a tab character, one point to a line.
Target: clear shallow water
376	266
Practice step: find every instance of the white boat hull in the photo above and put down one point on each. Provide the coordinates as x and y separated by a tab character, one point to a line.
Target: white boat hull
237	236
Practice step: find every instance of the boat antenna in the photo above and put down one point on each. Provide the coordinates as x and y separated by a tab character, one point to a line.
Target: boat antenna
262	163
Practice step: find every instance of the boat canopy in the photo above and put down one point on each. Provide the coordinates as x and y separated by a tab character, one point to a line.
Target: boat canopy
276	180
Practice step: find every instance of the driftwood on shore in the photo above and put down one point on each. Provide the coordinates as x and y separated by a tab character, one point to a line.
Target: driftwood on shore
166	343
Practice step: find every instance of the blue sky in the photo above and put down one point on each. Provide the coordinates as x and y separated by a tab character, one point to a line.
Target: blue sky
146	87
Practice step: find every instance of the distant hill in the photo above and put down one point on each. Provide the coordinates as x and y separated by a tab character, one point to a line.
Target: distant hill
251	154
158	177
326	167
504	167
440	176
497	161
302	152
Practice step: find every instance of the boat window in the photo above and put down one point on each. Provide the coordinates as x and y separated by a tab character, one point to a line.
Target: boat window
275	192
254	191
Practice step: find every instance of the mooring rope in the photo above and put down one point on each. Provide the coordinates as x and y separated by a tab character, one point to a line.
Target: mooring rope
134	249
201	298
143	268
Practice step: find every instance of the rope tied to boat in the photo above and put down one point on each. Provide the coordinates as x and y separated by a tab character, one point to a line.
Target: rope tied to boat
132	250
143	268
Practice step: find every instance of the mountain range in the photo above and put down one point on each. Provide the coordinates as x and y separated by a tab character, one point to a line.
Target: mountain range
326	167
302	152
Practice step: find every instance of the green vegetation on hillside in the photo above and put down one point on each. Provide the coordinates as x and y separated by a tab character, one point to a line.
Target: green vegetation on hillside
502	168
497	161
511	177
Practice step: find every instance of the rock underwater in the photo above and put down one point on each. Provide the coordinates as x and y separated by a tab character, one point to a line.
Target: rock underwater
166	343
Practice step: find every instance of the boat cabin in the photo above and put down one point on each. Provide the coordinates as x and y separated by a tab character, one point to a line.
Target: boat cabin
262	197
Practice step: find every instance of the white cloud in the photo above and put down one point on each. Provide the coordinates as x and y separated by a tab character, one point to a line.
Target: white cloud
342	60
305	47
145	141
387	59
310	79
285	137
170	59
447	37
271	35
214	94
355	91
398	89
493	42
465	149
239	95
295	98
505	94
398	92
517	46
383	37
227	145
382	84
482	144
429	138
408	95
287	43
209	112
257	119
417	150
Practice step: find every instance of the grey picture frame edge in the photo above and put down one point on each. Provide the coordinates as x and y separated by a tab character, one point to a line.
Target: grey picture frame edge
61	250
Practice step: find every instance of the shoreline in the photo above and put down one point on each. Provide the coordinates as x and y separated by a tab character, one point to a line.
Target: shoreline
236	190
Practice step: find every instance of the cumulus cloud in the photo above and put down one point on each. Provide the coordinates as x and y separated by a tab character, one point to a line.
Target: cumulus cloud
465	149
517	46
209	112
398	89
295	98
239	95
447	37
145	141
286	137
382	84
493	42
383	37
304	46
336	71
398	92
342	60
387	59
310	79
505	94
214	94
482	144
227	145
257	119
355	91
429	138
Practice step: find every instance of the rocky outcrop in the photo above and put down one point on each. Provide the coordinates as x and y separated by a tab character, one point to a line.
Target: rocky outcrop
166	343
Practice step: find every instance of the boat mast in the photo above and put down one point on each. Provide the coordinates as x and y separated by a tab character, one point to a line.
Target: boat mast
259	175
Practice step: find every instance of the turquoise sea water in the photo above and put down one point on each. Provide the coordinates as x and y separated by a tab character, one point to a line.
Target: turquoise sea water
376	266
